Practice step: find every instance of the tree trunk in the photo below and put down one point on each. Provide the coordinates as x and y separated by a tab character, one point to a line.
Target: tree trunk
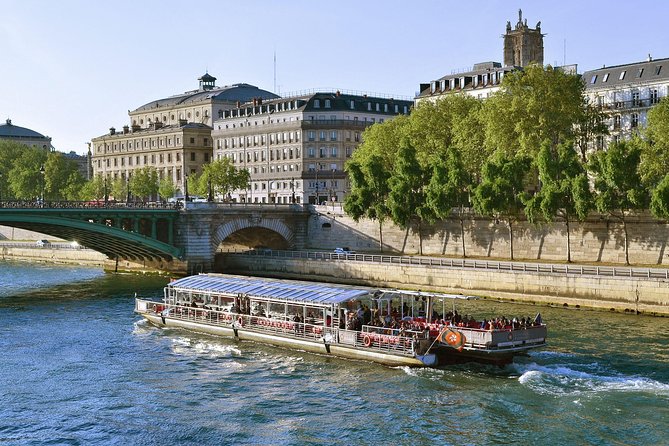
627	255
462	235
380	235
511	237
420	238
566	220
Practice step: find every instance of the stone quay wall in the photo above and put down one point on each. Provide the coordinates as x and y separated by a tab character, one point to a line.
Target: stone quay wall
600	239
621	294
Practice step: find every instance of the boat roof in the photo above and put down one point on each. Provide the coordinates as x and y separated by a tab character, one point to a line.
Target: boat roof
305	292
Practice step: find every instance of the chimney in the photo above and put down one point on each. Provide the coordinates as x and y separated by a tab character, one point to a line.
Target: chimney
112	131
126	129
650	58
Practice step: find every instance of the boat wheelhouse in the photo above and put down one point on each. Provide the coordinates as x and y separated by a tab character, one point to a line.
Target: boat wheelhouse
392	327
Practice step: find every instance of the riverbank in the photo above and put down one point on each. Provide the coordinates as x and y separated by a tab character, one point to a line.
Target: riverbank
29	252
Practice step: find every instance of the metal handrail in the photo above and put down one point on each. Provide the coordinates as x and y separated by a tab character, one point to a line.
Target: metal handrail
543	268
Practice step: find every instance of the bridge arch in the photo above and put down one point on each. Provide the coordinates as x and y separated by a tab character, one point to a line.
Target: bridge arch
228	228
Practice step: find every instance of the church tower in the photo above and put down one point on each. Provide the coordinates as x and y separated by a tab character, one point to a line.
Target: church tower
523	45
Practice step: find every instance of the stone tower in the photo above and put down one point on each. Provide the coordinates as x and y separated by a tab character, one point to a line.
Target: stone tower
523	44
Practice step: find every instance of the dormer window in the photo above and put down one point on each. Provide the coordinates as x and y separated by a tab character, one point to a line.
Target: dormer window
327	103
317	103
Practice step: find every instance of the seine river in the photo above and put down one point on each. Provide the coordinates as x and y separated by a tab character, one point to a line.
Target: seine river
78	367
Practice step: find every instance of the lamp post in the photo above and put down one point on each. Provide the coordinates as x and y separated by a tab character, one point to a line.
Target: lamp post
210	197
43	174
105	193
333	191
127	188
185	189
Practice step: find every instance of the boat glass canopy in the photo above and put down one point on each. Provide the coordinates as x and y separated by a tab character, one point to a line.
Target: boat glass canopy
316	293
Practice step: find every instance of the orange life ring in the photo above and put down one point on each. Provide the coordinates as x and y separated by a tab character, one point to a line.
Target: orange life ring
367	341
240	321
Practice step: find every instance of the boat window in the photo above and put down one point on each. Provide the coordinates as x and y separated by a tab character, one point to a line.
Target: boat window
277	309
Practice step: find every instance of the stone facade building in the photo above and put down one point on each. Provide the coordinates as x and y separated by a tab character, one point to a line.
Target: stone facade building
171	134
625	93
522	45
22	135
295	147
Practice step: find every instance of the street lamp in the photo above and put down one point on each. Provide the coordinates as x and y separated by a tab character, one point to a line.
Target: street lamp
43	174
106	194
210	197
185	189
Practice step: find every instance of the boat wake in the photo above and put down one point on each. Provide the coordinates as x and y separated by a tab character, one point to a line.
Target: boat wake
560	379
200	347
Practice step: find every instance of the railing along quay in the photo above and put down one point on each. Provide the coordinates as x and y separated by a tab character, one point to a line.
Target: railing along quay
543	268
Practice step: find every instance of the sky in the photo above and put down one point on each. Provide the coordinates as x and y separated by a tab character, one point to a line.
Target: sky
72	69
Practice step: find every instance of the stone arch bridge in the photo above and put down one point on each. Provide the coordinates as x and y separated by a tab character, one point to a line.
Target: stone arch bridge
164	236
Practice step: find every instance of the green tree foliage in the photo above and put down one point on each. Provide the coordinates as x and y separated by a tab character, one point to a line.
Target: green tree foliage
618	188
119	189
93	189
534	105
659	201
406	200
62	177
26	182
655	156
144	182
500	193
9	152
448	190
166	188
224	177
565	191
369	192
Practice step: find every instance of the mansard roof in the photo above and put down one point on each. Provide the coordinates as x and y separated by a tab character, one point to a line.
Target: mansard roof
623	75
230	93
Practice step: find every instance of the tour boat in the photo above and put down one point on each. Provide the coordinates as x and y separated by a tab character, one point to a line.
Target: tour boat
391	327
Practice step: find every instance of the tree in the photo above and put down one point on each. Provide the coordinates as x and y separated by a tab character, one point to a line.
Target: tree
565	191
26	181
406	199
369	192
166	188
534	105
449	189
618	186
224	177
119	189
500	192
60	175
655	151
590	126
144	182
9	152
93	189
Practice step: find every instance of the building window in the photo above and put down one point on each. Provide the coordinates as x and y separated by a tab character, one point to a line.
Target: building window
356	136
317	103
192	140
178	156
605	78
327	103
333	135
616	122
322	135
653	96
311	152
206	157
639	73
349	151
333	152
323	152
658	69
635	120
593	79
635	99
622	75
192	156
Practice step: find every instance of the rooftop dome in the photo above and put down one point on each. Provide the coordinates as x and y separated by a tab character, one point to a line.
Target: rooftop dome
9	130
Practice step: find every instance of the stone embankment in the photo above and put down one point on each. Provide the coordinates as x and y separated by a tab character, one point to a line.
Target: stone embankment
628	290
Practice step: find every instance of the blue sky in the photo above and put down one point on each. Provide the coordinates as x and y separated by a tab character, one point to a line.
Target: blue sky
72	69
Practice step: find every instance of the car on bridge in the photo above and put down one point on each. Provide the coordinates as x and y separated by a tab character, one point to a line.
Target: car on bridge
43	243
343	250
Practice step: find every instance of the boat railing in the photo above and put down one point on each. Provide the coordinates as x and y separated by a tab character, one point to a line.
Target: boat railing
368	339
503	338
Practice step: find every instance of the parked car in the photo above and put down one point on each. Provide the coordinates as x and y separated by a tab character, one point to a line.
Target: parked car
43	243
343	250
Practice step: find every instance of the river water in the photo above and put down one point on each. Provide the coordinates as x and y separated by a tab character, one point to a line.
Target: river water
78	367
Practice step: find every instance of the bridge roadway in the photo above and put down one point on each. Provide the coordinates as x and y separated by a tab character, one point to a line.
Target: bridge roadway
162	236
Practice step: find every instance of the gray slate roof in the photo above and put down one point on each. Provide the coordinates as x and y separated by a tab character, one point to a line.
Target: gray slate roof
9	130
290	290
647	71
230	93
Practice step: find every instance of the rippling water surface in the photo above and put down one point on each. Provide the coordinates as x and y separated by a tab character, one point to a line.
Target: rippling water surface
78	367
